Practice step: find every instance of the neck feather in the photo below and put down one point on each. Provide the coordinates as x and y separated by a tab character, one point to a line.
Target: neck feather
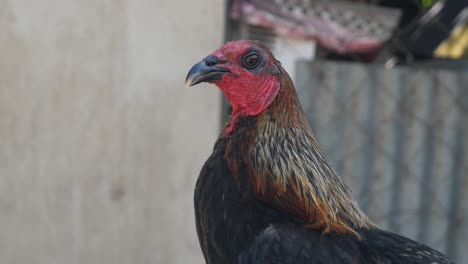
286	167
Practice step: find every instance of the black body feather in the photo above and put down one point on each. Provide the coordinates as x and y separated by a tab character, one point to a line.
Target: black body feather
233	226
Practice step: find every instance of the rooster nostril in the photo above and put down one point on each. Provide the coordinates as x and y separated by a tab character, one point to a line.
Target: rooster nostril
211	60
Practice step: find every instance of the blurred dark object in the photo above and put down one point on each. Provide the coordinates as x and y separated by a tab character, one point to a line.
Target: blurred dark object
421	38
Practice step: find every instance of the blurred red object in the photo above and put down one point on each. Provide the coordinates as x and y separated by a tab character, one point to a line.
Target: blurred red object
340	26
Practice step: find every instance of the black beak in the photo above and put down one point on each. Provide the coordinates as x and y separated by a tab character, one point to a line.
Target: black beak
205	71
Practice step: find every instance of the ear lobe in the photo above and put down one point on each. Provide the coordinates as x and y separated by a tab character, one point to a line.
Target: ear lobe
274	91
270	93
258	102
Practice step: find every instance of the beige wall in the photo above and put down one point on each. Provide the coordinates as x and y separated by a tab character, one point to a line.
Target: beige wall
100	144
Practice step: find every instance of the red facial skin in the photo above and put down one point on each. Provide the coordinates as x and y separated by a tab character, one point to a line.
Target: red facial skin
249	91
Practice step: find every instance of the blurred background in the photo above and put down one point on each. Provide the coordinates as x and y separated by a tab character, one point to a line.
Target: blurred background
101	145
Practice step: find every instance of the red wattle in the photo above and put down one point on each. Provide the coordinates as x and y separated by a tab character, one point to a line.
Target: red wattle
251	97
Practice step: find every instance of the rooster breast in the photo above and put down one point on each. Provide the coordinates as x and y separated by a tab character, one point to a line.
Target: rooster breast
227	219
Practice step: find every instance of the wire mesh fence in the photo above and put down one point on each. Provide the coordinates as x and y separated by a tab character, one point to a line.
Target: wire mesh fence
397	137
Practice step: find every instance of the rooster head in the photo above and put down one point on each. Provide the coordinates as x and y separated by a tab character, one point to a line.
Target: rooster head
246	72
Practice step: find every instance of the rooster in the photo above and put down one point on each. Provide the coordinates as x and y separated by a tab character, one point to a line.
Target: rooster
267	193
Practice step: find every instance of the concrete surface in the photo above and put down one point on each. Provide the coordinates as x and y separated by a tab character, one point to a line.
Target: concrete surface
100	143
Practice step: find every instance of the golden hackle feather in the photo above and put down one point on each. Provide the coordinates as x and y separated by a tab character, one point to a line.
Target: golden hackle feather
287	168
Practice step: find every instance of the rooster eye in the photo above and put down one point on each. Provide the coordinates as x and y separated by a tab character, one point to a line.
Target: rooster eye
251	61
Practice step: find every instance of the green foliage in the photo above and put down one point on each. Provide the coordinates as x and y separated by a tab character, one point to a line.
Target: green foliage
427	3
